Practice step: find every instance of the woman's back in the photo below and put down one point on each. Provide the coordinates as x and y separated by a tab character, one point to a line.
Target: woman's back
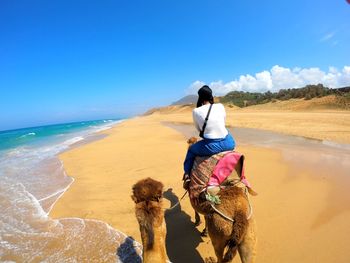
215	128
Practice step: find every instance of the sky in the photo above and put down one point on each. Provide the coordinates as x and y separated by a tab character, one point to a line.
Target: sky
63	61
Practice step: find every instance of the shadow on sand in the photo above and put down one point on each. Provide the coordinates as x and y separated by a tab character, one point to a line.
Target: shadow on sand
127	252
182	236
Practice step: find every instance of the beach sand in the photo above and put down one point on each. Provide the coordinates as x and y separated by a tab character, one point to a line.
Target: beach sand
302	214
325	124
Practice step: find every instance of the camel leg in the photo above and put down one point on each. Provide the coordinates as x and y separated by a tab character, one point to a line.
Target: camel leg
247	249
219	247
197	219
204	233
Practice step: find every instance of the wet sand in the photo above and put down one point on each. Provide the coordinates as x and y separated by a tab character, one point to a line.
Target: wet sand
302	210
326	125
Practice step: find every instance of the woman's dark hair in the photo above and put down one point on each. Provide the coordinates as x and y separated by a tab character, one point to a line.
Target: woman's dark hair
205	94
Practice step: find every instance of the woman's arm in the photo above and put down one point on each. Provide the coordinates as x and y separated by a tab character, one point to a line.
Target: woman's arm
195	122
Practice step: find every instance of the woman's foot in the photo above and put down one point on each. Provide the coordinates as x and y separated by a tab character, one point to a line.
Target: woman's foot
186	181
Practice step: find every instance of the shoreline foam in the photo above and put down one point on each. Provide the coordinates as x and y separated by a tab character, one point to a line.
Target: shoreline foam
30	192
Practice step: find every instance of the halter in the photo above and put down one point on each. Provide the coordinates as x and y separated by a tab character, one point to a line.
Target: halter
153	199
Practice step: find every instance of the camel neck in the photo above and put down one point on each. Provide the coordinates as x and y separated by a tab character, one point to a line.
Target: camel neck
156	254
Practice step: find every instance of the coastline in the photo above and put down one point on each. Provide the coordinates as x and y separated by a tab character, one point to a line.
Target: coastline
105	171
34	179
95	136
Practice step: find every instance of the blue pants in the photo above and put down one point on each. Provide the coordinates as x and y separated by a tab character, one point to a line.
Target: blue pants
207	147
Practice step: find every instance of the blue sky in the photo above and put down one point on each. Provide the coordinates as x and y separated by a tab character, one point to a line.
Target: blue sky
66	61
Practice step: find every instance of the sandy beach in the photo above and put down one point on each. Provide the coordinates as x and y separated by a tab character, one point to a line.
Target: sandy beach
302	210
97	96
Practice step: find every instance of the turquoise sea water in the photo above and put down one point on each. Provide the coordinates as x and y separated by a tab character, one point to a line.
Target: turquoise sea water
43	134
32	179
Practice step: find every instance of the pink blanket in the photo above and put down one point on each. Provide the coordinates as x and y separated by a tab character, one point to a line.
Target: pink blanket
224	168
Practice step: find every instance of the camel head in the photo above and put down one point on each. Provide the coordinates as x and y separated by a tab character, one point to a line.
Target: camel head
147	190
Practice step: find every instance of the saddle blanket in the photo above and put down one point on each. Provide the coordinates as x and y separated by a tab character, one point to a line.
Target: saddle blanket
213	170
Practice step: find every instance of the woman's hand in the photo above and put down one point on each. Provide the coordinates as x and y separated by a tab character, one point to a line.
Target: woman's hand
186	181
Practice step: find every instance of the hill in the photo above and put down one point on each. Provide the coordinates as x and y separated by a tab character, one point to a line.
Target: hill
171	109
190	99
310	97
245	99
331	102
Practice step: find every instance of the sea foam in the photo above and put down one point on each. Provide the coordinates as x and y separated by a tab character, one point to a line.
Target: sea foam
28	234
32	180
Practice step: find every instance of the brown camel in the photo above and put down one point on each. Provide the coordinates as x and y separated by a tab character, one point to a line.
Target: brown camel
147	195
238	230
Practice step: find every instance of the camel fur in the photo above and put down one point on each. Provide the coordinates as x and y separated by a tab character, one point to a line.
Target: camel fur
225	235
147	195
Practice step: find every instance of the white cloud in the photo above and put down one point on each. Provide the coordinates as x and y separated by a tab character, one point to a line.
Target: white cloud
195	86
327	37
279	78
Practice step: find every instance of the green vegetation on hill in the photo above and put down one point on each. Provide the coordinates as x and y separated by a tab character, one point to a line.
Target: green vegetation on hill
244	99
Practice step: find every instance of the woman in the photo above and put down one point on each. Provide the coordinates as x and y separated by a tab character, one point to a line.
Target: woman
216	138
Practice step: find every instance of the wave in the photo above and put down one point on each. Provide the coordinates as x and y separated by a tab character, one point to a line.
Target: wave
39	169
110	125
336	145
37	181
28	233
28	134
73	140
41	152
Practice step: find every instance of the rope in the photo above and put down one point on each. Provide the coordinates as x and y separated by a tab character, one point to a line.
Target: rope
223	215
218	211
230	219
178	202
250	206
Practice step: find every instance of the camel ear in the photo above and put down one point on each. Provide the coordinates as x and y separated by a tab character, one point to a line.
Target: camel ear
134	199
192	140
252	192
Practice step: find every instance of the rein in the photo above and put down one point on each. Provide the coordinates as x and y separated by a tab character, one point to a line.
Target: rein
157	199
178	202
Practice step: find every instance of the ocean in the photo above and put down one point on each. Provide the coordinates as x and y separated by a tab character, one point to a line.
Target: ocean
32	179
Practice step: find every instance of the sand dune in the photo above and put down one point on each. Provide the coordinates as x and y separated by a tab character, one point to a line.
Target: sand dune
319	118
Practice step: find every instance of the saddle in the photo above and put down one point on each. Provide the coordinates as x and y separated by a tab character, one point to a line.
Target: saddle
212	173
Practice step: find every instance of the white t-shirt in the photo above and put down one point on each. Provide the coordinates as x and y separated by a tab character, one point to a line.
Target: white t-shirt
215	128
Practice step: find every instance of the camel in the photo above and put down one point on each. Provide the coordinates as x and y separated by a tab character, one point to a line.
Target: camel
238	232
147	195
